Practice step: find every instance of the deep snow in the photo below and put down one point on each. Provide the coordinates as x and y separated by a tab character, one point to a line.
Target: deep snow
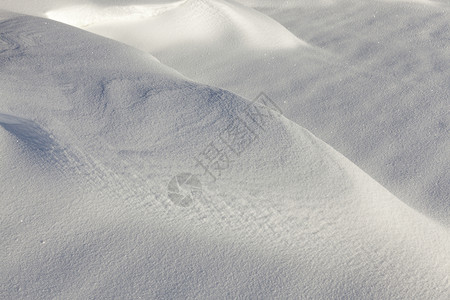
371	78
94	131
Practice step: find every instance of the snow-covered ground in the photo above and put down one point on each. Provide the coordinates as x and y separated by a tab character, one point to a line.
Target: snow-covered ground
370	78
122	175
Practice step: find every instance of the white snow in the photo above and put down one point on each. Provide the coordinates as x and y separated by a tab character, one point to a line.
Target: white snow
92	132
203	24
93	15
371	79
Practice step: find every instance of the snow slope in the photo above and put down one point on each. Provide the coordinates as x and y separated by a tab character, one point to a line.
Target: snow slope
371	78
92	133
204	29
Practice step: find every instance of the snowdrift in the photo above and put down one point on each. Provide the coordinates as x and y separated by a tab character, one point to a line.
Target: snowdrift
93	131
210	27
369	78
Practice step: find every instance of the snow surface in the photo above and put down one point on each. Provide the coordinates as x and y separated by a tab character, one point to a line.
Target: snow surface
212	28
370	78
92	132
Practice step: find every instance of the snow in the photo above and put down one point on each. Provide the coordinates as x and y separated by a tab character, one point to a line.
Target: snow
91	15
93	131
369	78
204	25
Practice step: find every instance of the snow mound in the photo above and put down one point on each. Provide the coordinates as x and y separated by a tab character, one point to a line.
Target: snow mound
90	14
214	24
288	217
380	98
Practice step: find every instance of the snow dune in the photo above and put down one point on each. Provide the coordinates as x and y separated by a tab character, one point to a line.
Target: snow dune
206	25
94	15
369	78
288	218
